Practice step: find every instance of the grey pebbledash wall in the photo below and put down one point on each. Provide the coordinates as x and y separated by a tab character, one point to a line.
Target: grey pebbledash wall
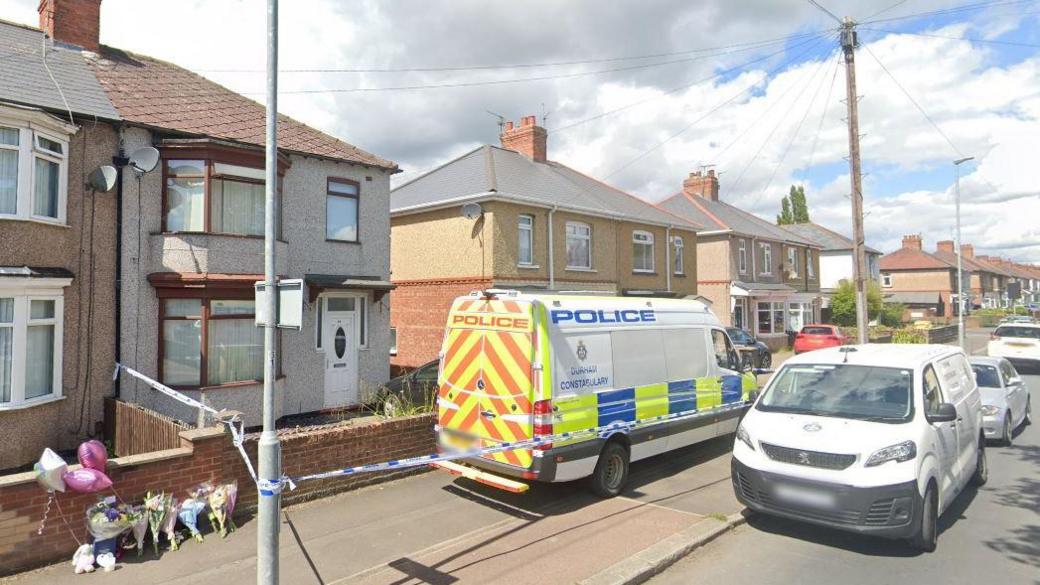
303	250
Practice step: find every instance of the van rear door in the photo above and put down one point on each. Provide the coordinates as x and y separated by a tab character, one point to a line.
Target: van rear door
485	393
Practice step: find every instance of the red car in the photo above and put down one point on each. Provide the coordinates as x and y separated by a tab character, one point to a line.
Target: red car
818	337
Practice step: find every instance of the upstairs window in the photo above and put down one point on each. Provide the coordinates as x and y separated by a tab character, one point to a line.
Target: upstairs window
579	245
810	269
642	251
341	210
886	280
677	260
33	175
792	262
742	256
525	245
767	259
214	197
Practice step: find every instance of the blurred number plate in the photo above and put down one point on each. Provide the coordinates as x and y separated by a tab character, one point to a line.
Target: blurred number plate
805	497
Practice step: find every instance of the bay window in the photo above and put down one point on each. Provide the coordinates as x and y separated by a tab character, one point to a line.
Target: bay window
579	245
642	251
33	172
204	195
770	317
31	321
341	210
210	341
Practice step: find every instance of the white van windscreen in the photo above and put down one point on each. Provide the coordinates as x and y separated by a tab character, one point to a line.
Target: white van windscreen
845	391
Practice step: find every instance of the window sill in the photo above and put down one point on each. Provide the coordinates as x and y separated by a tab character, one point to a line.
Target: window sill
679	275
31	403
39	220
528	266
239	384
579	269
335	241
644	273
218	234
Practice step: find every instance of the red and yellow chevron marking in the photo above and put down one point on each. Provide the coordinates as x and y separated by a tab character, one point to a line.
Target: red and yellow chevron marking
486	380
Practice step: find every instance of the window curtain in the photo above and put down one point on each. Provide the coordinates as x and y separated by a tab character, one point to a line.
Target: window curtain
182	351
45	201
6	347
39	361
237	208
8	181
236	348
185	198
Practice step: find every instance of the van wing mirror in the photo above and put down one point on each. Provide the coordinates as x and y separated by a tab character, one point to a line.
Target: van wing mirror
945	413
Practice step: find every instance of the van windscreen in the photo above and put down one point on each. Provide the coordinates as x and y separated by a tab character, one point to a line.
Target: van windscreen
845	391
1017	331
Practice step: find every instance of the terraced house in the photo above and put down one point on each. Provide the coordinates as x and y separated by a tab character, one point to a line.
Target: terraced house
757	275
508	217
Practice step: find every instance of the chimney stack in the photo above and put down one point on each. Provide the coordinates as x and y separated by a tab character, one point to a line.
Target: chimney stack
529	139
701	185
968	251
73	22
912	242
945	246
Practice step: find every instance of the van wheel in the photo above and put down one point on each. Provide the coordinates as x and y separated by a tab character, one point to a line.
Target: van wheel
927	534
981	475
611	471
1007	437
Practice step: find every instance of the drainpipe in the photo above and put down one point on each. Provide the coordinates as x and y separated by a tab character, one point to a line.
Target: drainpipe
668	258
120	161
552	255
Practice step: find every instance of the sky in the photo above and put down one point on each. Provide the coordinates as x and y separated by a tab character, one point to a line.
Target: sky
642	93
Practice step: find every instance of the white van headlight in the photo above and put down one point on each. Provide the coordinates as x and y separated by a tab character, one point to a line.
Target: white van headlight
744	437
904	451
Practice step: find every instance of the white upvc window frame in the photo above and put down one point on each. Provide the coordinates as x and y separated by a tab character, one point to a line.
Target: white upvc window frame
742	256
678	258
525	230
32	126
587	236
810	270
644	238
361	311
792	262
767	259
24	291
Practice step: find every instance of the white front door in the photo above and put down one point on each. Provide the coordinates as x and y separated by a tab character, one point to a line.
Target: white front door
339	340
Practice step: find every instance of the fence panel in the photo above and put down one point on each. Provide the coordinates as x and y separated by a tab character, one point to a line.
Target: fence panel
134	429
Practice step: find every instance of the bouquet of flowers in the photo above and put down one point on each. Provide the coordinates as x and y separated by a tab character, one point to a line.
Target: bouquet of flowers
139	528
157	506
222	506
193	506
107	520
170	523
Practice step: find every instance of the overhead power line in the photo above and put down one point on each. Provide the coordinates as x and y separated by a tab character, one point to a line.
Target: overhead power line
948	11
486	67
884	10
953	38
823	116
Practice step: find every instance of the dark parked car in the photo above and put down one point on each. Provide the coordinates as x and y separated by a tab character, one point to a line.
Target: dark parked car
747	345
417	387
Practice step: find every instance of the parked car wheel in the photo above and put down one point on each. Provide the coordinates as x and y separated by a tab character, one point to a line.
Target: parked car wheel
765	361
1006	437
611	471
1027	419
981	475
927	535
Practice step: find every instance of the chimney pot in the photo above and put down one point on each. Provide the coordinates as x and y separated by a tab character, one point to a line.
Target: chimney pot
529	139
945	246
912	242
702	186
74	22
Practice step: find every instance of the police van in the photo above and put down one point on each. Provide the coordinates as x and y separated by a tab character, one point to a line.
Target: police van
515	366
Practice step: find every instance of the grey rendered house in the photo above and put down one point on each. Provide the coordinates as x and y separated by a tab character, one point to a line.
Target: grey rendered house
192	243
758	276
57	247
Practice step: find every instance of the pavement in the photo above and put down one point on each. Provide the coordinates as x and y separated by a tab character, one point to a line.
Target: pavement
435	528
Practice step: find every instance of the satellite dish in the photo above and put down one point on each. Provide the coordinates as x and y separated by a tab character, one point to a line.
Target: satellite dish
143	160
102	179
472	210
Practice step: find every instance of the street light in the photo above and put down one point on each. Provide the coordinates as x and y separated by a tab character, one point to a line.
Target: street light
960	269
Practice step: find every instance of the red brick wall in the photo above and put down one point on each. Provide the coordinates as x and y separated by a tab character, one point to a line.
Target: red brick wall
419	311
204	455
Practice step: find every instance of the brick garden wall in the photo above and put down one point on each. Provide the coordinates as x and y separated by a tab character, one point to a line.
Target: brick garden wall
204	455
419	312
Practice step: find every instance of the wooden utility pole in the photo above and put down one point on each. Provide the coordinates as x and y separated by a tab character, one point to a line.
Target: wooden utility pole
848	46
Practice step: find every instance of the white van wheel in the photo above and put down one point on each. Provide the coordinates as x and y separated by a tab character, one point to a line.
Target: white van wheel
611	471
927	535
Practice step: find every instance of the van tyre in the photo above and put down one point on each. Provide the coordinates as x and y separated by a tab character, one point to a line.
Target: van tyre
981	475
611	471
927	534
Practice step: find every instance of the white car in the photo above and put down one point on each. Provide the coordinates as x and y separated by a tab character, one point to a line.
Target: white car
874	439
1018	342
1005	398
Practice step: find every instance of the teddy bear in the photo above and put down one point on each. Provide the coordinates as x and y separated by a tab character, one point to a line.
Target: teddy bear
83	559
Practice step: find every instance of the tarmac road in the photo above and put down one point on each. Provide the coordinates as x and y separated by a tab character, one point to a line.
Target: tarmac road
990	535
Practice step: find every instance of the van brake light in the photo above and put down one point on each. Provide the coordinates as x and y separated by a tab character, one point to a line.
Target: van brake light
543	422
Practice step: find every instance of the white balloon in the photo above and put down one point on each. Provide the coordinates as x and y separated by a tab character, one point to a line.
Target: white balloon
49	470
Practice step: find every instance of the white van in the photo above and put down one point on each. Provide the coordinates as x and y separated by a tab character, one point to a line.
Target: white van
875	439
516	366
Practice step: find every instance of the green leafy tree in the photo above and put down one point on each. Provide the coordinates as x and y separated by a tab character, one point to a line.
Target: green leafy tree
785	217
843	303
799	206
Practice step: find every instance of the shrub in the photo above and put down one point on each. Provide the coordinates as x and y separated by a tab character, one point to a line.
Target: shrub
909	335
843	303
891	314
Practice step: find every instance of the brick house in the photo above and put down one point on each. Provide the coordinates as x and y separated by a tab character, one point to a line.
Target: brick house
925	282
192	238
57	246
758	276
534	224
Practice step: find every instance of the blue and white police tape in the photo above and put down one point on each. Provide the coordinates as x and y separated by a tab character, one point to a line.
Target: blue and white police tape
601	432
234	424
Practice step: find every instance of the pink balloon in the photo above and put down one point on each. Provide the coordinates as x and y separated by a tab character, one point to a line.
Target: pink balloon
86	480
92	454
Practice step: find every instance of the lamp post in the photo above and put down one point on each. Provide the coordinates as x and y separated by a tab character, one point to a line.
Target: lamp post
960	265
